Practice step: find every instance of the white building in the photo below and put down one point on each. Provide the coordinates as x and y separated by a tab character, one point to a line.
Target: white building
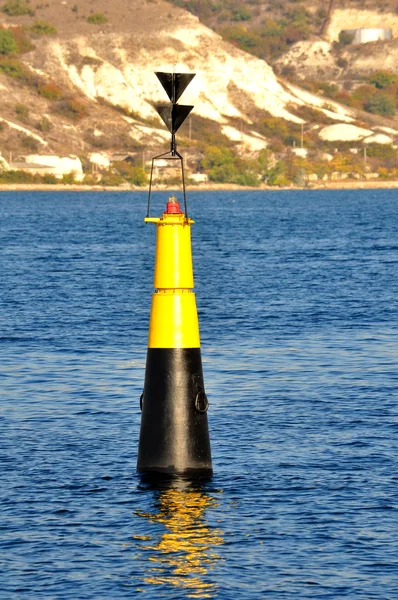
369	34
50	164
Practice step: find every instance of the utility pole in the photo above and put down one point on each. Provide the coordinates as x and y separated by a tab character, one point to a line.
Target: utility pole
327	18
302	135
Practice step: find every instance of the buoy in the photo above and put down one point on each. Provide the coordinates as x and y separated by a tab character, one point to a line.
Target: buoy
174	437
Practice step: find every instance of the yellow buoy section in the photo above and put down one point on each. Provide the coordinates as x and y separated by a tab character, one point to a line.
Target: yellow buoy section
173	266
174	319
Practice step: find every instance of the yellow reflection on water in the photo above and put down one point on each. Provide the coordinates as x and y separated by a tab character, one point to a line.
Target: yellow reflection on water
186	551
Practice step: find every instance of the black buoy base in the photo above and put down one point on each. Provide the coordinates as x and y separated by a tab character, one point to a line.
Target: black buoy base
174	437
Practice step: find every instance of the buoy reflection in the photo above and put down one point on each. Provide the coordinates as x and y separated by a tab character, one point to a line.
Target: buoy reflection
186	552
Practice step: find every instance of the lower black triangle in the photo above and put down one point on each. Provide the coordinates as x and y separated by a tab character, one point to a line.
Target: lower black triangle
173	115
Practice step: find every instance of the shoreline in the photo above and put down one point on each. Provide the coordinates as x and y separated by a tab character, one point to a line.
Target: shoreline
205	187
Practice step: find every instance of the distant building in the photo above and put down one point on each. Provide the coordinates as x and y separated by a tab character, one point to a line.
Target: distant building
368	34
38	164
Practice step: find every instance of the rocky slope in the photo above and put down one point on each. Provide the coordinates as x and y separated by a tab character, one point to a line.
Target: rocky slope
318	58
106	70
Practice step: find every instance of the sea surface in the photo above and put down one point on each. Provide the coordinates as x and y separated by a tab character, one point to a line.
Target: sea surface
297	296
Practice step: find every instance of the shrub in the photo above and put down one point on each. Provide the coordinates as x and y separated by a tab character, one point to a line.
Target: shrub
293	35
44	125
274	127
43	28
111	178
15	177
288	71
72	108
22	112
380	104
241	14
17	8
49	178
138	177
359	96
248	178
8	44
329	89
29	142
69	178
23	42
50	91
219	163
276	145
382	79
97	19
223	166
133	174
346	38
276	175
341	62
13	68
90	179
383	151
247	40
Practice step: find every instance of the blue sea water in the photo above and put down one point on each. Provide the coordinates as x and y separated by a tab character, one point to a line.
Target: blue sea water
297	299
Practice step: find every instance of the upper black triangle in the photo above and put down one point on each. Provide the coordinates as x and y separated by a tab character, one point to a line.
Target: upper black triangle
175	83
173	115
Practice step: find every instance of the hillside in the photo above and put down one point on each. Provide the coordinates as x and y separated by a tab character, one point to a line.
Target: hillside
79	80
300	39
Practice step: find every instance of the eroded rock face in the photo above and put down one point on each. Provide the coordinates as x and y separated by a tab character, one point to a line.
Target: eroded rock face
357	18
113	64
344	132
59	165
314	59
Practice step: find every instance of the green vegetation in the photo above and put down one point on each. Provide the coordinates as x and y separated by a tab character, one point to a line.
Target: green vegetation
18	177
380	104
97	19
379	95
250	26
111	178
383	79
14	41
8	44
44	125
131	173
13	68
223	166
50	91
71	108
346	38
241	14
22	112
43	28
17	8
23	42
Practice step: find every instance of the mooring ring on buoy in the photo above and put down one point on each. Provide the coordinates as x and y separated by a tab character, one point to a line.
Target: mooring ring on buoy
201	402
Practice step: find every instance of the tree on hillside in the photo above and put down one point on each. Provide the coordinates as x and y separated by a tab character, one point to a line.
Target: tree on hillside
8	45
17	8
380	104
382	79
